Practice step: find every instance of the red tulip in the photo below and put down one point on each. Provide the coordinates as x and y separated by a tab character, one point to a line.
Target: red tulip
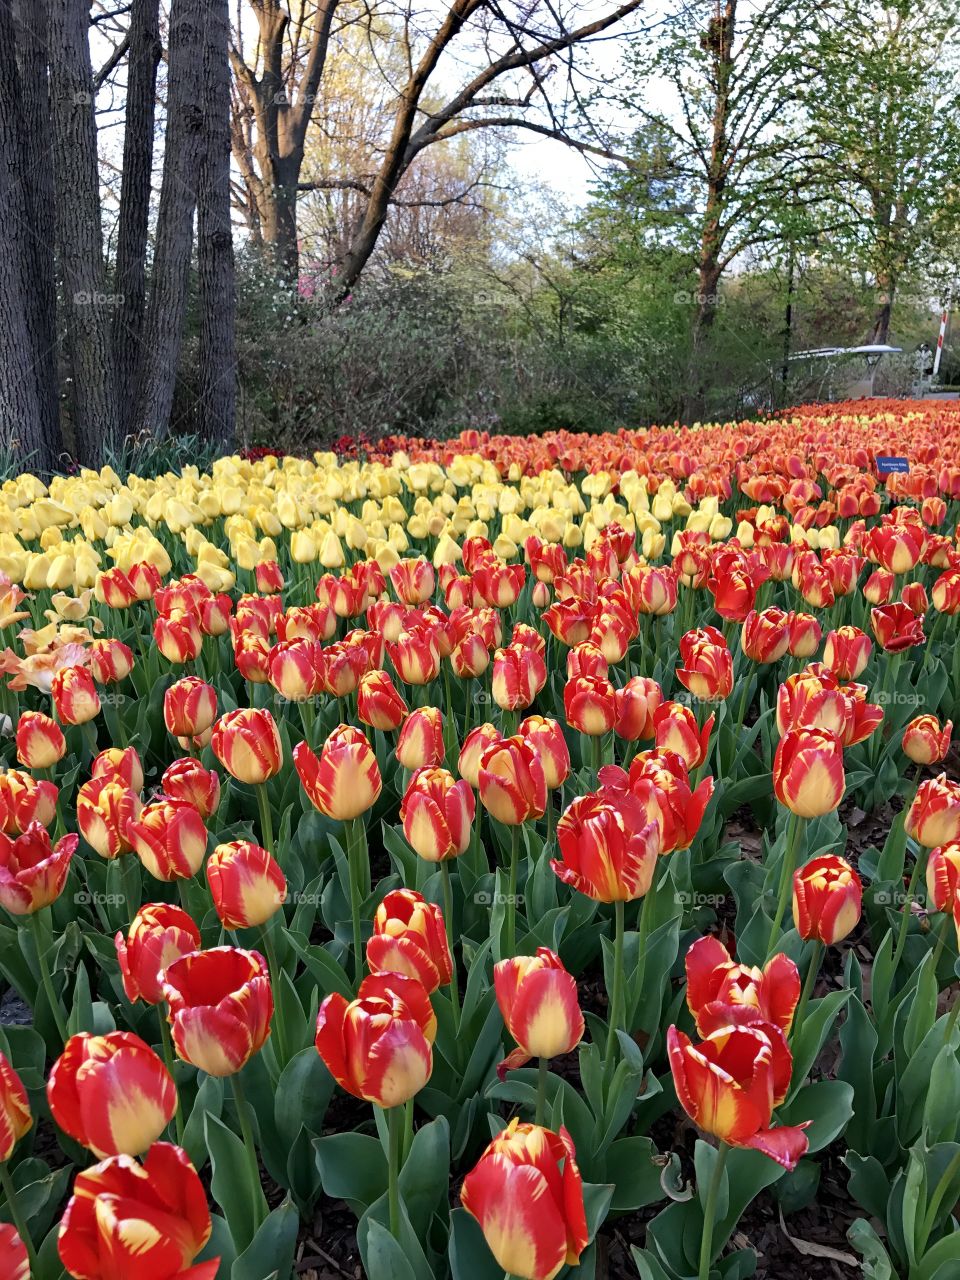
538	1002
178	638
40	741
416	657
127	1219
722	993
268	577
14	1260
246	884
32	870
111	1093
114	589
420	742
121	764
26	799
104	808
924	742
730	1083
379	705
518	676
220	1006
75	697
189	707
847	652
169	838
895	627
110	660
158	935
526	1193
474	745
379	1047
805	635
707	669
765	637
546	738
189	781
934	816
437	814
608	847
675	729
413	580
943	876
827	899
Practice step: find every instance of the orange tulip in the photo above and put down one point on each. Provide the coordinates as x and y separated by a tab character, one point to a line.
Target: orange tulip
526	1193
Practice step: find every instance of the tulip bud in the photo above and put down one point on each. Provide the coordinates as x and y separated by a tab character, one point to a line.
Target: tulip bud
189	707
40	741
409	937
169	838
420	742
246	884
220	1007
437	814
379	1047
827	899
104	808
159	934
345	780
75	698
934	816
924	742
247	744
111	1093
538	1002
808	775
530	1212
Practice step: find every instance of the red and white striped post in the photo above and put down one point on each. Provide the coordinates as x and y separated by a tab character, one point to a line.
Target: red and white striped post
944	316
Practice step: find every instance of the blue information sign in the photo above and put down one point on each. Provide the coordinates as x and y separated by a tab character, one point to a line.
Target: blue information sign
892	466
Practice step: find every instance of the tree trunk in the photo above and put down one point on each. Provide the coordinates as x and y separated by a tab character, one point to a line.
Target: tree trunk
88	305
886	292
30	41
183	152
718	42
130	275
218	356
25	423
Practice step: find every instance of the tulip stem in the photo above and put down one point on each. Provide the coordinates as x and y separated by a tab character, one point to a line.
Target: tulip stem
56	1008
448	921
352	875
168	1057
816	955
597	743
905	915
259	1200
394	1131
266	818
16	1213
951	1171
542	1067
786	880
616	996
942	938
709	1212
276	973
407	1131
511	912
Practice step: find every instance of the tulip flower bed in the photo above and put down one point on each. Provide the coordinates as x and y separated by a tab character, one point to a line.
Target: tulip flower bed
541	855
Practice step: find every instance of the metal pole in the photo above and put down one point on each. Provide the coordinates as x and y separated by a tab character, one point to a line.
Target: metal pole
943	329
